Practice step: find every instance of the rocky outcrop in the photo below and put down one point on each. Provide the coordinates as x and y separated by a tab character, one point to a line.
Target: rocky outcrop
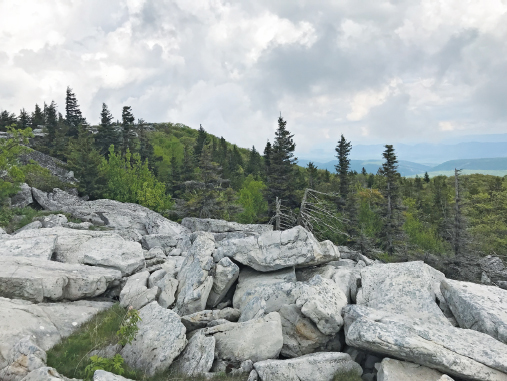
45	323
23	197
395	370
102	375
195	280
278	249
135	293
220	226
24	357
55	166
124	217
478	307
197	358
39	280
225	274
407	289
33	247
201	319
465	354
160	339
314	367
45	373
254	340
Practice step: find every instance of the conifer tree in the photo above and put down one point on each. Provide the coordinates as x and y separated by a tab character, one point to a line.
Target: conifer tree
24	119
254	166
343	167
235	168
363	172
187	170
59	147
175	178
146	149
6	120
128	138
313	175
51	124
392	219
202	135
268	151
107	134
426	177
85	160
280	182
37	117
73	114
222	152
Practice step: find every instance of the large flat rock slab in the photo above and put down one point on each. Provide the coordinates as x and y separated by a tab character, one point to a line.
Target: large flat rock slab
395	370
276	250
40	280
478	307
34	247
313	367
221	226
46	323
403	288
454	351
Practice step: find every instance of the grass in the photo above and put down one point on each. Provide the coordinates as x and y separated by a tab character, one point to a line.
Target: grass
349	376
71	356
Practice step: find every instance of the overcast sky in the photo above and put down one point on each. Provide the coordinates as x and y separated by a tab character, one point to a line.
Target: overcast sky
377	71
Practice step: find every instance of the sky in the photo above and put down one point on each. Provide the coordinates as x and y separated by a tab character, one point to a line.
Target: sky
379	72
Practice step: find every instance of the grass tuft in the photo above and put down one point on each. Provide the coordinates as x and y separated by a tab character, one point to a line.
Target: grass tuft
348	376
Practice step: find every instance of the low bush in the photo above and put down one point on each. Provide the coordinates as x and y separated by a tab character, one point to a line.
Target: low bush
348	376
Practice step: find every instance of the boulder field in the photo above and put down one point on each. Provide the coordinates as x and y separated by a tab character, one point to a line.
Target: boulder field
217	296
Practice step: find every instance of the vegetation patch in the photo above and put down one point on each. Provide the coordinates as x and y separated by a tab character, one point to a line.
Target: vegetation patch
347	376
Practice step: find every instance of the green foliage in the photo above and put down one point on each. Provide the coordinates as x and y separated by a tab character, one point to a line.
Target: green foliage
252	200
128	179
347	376
10	149
42	178
129	328
12	219
114	365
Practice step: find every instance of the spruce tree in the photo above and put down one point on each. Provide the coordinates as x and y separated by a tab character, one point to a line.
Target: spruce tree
59	147
128	137
268	151
24	119
187	170
85	160
146	149
235	168
6	120
391	214
175	177
254	166
426	177
37	117
343	167
280	182
222	152
363	172
107	134
73	114
202	135
313	175
51	125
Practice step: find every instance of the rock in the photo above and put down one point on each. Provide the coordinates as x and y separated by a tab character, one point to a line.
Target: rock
225	274
102	375
160	339
322	301
325	271
175	252
168	287
120	216
278	249
31	226
55	166
477	307
214	323
68	241
39	280
115	253
2	232
23	197
46	323
202	318
166	242
155	252
54	220
348	253
274	289
221	226
254	340
44	374
344	278
313	367
253	376
394	370
36	247
195	280
156	277
172	266
244	368
403	288
300	335
135	293
197	358
80	225
24	357
462	353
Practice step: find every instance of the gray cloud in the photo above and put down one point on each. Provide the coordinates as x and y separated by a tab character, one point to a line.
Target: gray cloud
383	71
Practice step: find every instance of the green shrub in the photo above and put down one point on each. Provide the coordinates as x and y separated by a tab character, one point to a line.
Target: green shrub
348	376
114	365
42	179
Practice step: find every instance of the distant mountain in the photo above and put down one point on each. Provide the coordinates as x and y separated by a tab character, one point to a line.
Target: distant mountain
498	163
406	168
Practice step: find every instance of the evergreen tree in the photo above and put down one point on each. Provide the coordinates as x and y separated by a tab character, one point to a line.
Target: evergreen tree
59	146
426	177
280	182
222	152
146	149
313	175
235	168
268	151
187	170
73	114
128	137
24	119
418	183
107	134
327	176
51	125
200	142
175	178
363	172
254	166
37	117
342	168
391	214
85	161
6	120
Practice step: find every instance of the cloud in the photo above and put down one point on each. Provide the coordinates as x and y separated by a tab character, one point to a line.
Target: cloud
378	72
